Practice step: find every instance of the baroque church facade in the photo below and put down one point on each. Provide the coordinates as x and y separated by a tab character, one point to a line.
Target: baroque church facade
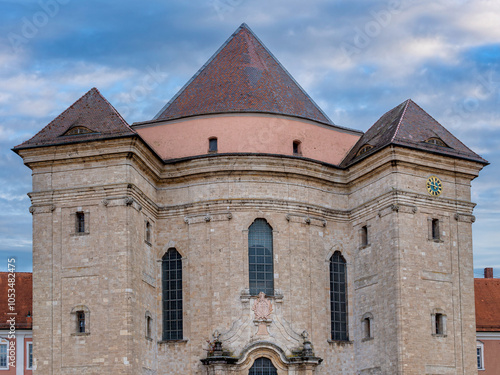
241	231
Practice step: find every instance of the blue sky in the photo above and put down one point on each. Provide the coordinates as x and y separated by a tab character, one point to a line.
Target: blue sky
356	59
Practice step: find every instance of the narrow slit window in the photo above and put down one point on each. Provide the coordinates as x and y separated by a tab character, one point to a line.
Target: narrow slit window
80	222
367	329
435	229
148	232
212	145
364	235
80	321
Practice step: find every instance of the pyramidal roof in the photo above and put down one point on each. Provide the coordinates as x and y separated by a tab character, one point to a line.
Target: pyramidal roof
242	76
409	125
91	117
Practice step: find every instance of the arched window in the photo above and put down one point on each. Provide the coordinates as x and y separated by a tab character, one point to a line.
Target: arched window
260	258
263	366
172	295
338	297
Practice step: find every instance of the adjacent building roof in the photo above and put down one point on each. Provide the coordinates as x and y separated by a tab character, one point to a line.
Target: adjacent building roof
242	76
23	300
90	118
487	295
410	126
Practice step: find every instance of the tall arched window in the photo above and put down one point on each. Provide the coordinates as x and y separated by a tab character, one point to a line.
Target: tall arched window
338	297
260	258
263	366
172	295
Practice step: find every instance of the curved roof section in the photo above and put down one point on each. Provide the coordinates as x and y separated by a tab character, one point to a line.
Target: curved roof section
91	112
242	76
409	125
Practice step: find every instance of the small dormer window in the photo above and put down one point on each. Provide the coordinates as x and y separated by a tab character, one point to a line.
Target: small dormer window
297	149
212	144
436	141
77	130
364	149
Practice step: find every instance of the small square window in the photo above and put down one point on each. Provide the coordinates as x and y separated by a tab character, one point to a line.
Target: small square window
212	145
297	149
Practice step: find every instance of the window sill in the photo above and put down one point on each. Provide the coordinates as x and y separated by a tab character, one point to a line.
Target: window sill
148	243
439	335
78	234
362	247
340	342
436	240
367	339
148	338
171	342
80	334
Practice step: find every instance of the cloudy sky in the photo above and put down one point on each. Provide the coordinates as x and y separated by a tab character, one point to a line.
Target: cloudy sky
356	59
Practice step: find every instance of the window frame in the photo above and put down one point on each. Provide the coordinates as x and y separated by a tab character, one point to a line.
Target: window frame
339	324
438	320
297	147
171	334
4	343
367	326
480	355
260	258
213	141
29	356
76	314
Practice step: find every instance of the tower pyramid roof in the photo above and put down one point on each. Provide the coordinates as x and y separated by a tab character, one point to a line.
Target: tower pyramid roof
90	118
242	76
410	126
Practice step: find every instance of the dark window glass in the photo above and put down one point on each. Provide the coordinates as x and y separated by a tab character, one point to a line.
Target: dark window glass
80	222
80	317
212	144
435	229
338	297
367	326
296	147
364	235
479	358
148	232
439	324
172	295
260	258
263	366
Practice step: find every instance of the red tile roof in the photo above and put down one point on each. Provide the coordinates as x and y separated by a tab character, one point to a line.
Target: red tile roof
409	125
23	300
93	112
242	76
487	295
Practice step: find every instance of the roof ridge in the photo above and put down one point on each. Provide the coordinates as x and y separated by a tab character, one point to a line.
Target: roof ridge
183	88
400	120
287	72
114	109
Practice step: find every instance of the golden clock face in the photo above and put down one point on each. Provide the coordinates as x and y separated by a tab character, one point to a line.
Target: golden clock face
434	186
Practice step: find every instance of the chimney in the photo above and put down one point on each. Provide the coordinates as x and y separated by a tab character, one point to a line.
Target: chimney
488	273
